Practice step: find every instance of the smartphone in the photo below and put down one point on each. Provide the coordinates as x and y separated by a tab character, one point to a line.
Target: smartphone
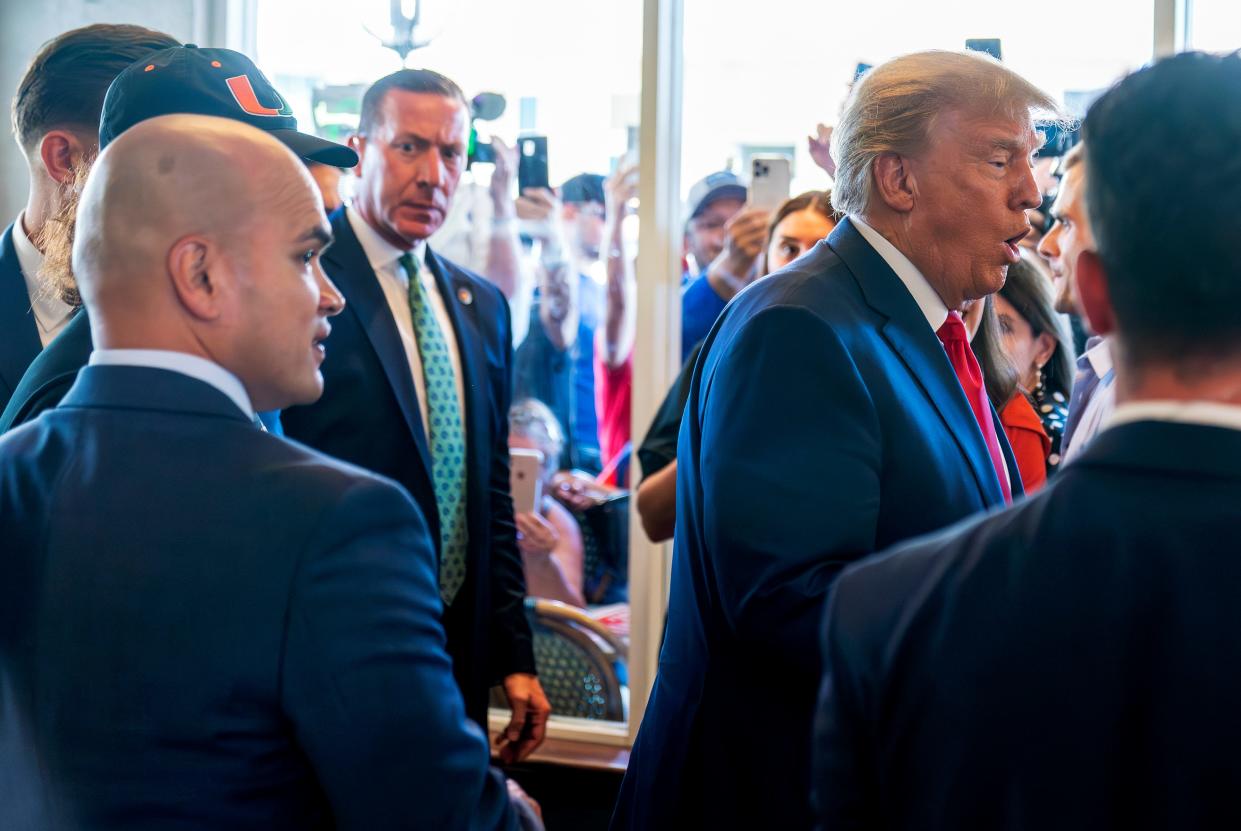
524	479
532	163
770	178
989	45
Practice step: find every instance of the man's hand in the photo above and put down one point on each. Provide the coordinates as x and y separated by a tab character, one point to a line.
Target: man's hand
540	209
736	266
821	149
502	179
528	727
579	491
620	188
536	537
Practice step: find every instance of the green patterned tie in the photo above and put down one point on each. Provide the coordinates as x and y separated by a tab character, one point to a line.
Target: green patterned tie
444	433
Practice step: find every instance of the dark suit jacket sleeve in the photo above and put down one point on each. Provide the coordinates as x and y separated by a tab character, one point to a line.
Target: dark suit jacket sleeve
843	787
26	405
367	683
790	462
511	643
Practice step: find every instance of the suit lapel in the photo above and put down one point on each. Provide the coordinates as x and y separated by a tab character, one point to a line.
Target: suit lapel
19	334
907	332
347	265
459	300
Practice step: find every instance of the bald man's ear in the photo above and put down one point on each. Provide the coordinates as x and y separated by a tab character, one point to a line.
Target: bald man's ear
894	182
61	151
191	261
1093	291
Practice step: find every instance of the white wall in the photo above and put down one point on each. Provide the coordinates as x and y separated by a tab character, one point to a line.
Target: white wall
25	25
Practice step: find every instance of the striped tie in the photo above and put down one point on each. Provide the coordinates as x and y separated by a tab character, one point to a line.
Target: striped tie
444	433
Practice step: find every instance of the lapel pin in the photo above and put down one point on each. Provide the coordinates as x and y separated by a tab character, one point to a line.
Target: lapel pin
465	296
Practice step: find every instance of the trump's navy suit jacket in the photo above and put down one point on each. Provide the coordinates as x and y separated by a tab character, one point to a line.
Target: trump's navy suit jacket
369	416
824	423
19	331
206	626
1072	663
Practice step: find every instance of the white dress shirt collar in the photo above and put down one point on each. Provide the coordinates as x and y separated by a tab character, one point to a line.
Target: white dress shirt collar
51	314
1099	354
380	253
928	300
1202	413
202	369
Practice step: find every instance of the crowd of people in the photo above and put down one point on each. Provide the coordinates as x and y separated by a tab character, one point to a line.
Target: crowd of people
952	464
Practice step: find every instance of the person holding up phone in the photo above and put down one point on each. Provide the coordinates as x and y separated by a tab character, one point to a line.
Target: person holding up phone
725	238
548	537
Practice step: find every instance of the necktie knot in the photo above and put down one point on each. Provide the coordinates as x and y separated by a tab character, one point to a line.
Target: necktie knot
410	265
953	329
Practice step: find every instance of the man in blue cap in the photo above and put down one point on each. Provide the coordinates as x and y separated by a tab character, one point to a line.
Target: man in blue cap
181	79
724	238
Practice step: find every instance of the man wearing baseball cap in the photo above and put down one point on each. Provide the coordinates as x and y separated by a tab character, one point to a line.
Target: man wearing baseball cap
182	79
724	238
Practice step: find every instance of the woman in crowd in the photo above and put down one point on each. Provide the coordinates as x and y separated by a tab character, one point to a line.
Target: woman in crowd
796	226
1013	351
1039	343
549	538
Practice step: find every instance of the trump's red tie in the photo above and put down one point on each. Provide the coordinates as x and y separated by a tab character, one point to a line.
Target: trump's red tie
957	344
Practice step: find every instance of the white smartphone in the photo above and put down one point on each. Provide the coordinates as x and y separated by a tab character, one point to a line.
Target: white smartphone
525	481
770	179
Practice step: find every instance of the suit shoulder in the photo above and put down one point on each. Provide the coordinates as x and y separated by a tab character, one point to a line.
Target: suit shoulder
480	285
317	474
819	281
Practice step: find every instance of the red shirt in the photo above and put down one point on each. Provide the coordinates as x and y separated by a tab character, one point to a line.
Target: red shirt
1029	441
613	397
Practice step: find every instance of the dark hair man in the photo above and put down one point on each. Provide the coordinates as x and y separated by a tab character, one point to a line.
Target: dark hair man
417	383
232	631
1094	394
1072	663
56	124
181	79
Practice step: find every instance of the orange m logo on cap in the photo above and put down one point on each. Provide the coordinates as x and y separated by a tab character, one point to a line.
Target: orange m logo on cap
243	92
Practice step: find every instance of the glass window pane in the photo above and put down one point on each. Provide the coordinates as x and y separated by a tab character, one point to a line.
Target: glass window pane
765	74
1215	25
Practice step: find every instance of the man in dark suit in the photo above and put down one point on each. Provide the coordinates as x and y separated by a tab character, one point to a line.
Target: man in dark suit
222	629
417	385
826	420
55	120
182	79
1072	663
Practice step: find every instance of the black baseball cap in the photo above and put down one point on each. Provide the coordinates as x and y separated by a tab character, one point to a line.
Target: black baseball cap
219	82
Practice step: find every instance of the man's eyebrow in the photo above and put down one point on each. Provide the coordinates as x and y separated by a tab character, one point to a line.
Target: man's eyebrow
1006	144
317	234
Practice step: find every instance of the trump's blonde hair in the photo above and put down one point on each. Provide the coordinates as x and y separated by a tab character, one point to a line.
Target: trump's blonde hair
893	107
